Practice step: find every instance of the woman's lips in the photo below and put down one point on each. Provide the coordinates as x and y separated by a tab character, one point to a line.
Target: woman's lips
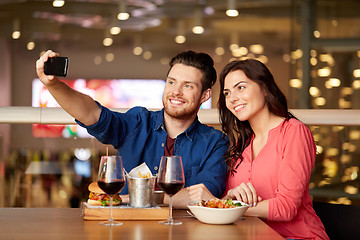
239	107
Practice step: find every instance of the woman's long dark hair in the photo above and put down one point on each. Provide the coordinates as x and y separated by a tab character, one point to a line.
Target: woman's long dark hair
240	132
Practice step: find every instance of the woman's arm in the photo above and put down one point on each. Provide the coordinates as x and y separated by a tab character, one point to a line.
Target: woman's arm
294	171
246	193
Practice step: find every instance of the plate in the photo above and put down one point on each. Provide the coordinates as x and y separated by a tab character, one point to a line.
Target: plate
218	215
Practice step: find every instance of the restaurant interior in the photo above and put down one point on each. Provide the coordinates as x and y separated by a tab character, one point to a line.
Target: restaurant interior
119	52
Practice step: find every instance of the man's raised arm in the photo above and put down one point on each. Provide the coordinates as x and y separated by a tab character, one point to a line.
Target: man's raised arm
80	106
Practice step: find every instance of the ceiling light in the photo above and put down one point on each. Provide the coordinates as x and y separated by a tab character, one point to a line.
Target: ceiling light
58	3
16	29
198	29
327	85
295	83
297	54
123	14
356	73
320	101
115	30
233	46
137	45
334	82
97	60
264	59
147	55
30	45
219	51
236	52
356	84
344	104
234	41
313	61
231	11
180	37
16	34
327	58
286	58
354	134
346	91
164	61
314	91
137	51
109	57
243	50
324	72
257	48
317	34
313	53
108	41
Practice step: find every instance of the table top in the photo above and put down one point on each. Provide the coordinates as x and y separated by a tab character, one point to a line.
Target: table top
67	224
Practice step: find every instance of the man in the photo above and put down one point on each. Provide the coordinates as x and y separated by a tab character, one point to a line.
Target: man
141	136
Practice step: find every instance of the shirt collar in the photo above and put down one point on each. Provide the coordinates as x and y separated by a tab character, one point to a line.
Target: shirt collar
189	133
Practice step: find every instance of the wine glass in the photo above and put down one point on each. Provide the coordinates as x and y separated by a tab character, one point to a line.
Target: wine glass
111	180
171	179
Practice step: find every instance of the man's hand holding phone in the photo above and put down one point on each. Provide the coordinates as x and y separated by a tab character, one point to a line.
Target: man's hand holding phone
50	65
56	66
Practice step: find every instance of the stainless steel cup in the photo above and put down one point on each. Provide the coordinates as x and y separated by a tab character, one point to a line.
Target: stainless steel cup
158	197
141	191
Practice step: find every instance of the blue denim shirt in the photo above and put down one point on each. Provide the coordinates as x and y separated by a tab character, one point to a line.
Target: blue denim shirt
139	136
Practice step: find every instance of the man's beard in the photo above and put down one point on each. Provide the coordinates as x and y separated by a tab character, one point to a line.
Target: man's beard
181	114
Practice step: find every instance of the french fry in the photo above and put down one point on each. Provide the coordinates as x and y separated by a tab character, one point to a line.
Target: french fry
145	175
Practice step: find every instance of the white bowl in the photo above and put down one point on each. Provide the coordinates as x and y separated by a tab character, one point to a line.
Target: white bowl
218	215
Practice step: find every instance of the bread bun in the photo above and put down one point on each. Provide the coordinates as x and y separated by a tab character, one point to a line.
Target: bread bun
94	202
94	187
98	197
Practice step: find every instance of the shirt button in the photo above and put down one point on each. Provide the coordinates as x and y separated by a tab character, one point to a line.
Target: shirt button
156	168
162	145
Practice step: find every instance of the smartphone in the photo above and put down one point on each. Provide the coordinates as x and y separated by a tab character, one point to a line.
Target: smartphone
57	66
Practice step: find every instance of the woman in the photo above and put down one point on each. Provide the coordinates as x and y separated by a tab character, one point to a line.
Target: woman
271	153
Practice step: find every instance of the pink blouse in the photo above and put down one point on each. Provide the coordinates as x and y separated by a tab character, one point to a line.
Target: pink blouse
281	173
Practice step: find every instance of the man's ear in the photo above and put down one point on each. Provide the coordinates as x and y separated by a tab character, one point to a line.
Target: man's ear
205	95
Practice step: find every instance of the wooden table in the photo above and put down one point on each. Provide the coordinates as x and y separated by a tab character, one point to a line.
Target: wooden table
67	224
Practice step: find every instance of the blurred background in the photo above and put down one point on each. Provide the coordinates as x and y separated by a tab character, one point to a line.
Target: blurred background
118	47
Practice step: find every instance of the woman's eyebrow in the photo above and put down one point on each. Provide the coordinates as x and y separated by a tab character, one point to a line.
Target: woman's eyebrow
235	85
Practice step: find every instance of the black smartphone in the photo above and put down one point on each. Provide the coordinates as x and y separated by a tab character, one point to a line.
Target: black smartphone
57	66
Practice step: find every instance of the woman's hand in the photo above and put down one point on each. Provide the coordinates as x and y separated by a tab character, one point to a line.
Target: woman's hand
199	192
45	79
246	193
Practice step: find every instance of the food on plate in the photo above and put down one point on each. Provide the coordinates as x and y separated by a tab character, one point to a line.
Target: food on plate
219	203
148	175
98	197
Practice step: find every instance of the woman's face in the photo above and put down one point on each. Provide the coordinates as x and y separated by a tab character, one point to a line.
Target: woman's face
243	97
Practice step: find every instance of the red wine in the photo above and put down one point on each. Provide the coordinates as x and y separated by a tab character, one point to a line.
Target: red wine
172	187
111	188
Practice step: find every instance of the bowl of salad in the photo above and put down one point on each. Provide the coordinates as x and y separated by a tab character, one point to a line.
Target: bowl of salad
218	211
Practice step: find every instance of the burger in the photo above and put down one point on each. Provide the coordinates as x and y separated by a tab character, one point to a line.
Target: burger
98	197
